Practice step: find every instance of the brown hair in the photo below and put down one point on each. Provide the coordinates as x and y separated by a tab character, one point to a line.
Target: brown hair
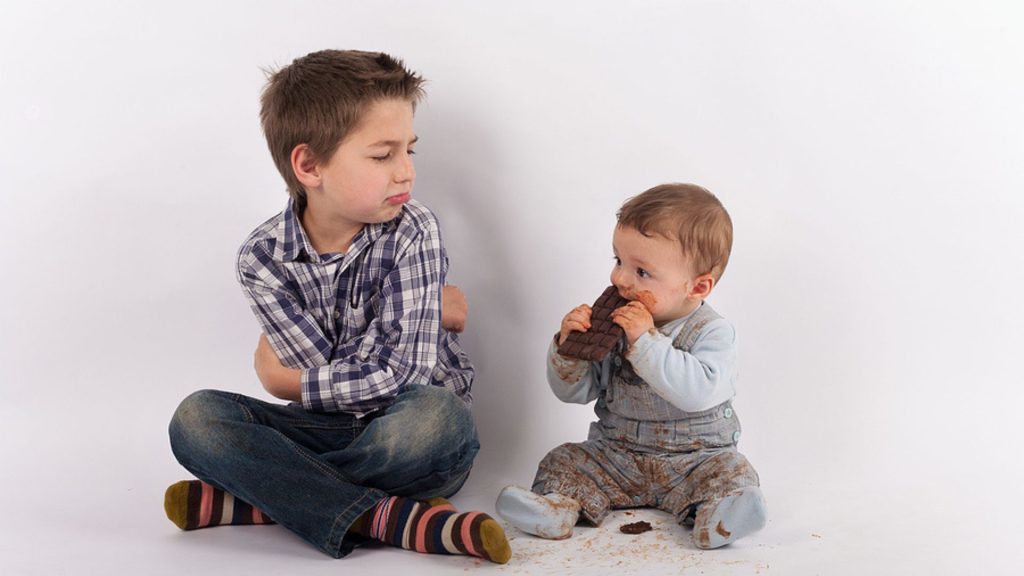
689	214
320	98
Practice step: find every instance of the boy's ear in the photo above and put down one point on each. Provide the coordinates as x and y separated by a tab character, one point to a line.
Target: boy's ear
305	166
702	286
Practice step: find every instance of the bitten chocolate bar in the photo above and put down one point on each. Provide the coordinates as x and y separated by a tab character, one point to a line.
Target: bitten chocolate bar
596	343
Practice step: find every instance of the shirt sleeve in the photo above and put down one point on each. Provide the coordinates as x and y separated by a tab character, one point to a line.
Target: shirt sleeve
691	381
293	332
572	380
399	346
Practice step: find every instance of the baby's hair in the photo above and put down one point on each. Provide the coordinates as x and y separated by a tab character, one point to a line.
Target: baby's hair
688	214
320	98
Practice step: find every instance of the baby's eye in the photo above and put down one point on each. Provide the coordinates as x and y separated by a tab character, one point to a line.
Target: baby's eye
618	261
642	273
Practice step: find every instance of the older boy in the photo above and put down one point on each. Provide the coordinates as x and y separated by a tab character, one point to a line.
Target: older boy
666	432
346	283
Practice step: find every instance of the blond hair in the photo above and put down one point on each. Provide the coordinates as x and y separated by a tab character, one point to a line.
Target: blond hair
320	98
688	214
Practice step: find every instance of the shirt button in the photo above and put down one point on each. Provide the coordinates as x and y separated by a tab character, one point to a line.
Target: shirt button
337	314
736	436
728	413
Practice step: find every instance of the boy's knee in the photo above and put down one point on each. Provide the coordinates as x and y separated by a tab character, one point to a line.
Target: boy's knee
439	414
193	418
435	429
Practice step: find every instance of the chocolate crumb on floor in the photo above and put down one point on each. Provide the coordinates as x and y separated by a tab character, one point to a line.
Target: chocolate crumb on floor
635	527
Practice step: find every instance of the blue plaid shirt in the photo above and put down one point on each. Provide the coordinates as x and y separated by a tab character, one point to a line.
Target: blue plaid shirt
363	325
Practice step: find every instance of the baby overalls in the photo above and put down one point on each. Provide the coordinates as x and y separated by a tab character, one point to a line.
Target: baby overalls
645	452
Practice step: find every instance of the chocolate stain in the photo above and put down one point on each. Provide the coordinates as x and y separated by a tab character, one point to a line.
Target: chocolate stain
635	527
568	369
647	298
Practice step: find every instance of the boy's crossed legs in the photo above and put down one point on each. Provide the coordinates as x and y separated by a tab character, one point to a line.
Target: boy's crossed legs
715	489
313	472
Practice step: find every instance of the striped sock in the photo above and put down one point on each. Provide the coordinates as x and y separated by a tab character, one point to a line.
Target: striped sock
434	529
192	504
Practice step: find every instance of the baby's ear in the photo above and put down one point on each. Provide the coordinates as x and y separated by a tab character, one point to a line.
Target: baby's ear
702	286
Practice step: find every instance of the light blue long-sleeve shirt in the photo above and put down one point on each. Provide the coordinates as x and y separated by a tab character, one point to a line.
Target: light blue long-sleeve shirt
692	381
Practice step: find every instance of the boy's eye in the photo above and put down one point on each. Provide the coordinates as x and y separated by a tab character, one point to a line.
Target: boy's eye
642	273
618	261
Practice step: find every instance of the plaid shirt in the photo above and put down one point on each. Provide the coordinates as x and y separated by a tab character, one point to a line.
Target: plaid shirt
363	325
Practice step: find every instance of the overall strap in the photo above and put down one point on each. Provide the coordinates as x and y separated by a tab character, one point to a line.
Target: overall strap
693	325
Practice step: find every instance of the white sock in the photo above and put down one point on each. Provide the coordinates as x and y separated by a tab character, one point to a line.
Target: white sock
551	516
727	519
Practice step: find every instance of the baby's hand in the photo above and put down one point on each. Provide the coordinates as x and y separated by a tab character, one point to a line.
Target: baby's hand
634	319
577	320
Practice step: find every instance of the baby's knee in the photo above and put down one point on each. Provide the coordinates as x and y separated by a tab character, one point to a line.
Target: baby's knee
566	457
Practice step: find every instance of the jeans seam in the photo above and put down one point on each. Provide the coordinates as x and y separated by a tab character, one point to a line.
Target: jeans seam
333	541
325	468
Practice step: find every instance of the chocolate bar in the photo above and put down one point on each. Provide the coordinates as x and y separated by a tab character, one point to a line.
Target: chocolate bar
596	343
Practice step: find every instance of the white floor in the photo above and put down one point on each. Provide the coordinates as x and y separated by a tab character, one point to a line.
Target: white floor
67	510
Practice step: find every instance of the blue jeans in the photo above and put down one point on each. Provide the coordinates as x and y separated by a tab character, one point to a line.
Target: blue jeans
315	473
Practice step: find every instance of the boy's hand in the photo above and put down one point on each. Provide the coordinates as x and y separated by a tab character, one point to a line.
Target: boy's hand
282	382
454	309
577	320
634	319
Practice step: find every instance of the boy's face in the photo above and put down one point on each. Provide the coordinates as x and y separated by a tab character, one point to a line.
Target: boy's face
370	176
653	270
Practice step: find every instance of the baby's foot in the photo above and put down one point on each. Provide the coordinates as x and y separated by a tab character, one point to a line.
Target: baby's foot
551	516
727	519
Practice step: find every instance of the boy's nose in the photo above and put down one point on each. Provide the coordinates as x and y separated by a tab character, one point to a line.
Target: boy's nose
406	171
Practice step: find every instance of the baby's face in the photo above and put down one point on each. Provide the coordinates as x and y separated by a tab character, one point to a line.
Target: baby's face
653	270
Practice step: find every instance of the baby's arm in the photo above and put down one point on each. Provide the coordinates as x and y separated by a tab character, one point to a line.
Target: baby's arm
691	381
572	380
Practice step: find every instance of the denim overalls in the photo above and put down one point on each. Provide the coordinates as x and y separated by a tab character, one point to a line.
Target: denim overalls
645	452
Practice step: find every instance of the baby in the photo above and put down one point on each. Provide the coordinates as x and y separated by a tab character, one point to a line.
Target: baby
666	433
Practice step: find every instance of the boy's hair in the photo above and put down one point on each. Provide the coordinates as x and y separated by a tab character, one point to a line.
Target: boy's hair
320	98
686	213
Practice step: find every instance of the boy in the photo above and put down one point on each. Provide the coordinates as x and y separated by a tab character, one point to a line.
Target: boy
666	432
346	283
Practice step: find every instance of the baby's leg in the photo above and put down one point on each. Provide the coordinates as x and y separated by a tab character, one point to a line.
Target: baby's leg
724	520
549	516
724	490
587	479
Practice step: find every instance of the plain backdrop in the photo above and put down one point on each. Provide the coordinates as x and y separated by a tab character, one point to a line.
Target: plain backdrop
871	155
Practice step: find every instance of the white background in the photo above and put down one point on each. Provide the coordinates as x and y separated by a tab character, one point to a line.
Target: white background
870	154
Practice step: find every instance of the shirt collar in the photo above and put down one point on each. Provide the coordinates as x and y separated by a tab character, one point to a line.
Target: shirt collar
293	244
672	327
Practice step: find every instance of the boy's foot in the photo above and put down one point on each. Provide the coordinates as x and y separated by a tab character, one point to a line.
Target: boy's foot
192	504
727	519
434	527
551	516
